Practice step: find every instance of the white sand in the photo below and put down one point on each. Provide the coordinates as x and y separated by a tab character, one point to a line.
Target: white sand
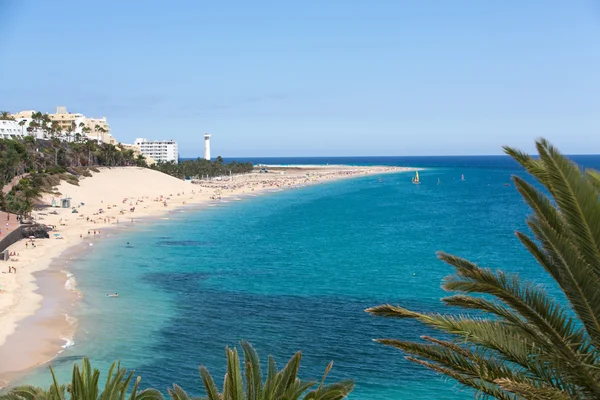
116	190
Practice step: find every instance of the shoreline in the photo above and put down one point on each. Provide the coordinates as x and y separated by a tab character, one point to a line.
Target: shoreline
35	325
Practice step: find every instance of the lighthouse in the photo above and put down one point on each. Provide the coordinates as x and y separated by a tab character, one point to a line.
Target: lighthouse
207	146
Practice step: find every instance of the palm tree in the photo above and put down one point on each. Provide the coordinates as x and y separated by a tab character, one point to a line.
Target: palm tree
45	123
90	145
70	130
85	131
282	384
97	130
140	161
22	124
55	129
522	343
6	116
84	386
102	132
56	146
36	123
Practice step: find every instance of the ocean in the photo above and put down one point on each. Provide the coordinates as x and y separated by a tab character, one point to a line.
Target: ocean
294	270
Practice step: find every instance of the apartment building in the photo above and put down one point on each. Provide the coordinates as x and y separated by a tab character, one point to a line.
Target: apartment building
159	150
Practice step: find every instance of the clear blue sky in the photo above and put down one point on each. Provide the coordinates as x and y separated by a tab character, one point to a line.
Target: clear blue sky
328	77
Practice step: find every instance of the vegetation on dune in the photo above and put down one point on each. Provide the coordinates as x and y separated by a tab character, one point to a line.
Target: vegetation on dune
279	385
523	344
32	166
201	168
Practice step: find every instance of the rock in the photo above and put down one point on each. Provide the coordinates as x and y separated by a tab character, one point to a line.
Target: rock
38	231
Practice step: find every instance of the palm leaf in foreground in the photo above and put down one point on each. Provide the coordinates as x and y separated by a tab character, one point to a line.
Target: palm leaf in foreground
523	343
279	385
84	386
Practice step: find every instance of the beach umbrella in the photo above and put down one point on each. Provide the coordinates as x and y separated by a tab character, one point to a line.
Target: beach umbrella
57	234
31	237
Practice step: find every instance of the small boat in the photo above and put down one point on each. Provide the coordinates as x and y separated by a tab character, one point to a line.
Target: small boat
415	179
462	177
439	181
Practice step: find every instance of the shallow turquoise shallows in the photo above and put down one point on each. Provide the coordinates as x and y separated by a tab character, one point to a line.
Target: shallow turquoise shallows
294	270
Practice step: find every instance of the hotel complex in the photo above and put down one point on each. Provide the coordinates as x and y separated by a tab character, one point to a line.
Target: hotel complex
159	150
71	123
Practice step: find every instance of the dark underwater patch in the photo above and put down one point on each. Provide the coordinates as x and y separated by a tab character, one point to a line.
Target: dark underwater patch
194	243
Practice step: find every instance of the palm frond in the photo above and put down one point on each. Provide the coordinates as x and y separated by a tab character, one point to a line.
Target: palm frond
209	384
594	178
252	372
523	343
177	393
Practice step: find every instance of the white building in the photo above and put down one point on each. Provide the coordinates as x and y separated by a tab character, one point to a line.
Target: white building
160	151
11	129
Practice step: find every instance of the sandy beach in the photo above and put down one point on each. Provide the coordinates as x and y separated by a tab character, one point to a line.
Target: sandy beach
111	197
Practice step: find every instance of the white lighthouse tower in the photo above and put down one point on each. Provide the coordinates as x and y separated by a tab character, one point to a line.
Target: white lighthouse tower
207	146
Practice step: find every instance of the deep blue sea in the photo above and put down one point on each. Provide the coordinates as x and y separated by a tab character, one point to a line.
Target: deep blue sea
294	270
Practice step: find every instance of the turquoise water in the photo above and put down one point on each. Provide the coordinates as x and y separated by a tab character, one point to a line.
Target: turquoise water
294	270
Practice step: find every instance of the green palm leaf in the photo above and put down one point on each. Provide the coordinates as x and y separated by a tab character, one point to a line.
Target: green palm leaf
209	385
252	372
279	385
522	343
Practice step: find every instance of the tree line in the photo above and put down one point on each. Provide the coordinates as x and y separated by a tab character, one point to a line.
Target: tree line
201	168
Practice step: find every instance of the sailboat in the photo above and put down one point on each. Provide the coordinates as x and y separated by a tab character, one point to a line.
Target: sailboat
415	179
462	177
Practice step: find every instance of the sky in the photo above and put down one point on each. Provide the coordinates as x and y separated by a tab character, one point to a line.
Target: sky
313	78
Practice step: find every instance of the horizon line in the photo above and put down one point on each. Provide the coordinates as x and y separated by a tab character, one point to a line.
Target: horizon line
429	155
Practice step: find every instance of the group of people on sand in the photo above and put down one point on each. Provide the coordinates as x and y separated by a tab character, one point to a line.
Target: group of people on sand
12	270
277	181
